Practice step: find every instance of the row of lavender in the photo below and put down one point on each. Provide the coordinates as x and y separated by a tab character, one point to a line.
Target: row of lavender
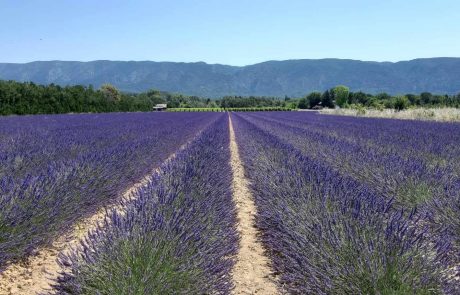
333	229
178	235
55	170
419	169
386	159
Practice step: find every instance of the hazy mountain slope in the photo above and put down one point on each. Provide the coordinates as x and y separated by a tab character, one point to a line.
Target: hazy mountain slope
273	78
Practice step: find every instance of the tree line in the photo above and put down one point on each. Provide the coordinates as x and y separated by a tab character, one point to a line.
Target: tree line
29	98
341	96
22	98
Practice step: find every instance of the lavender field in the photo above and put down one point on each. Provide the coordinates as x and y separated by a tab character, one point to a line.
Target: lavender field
355	206
57	169
342	205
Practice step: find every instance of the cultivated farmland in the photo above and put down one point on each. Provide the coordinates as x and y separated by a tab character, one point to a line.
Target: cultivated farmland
242	203
355	206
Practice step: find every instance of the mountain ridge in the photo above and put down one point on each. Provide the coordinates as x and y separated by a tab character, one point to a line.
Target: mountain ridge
294	77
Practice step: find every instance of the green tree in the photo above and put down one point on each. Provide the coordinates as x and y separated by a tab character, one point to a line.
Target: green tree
375	103
303	103
314	99
327	99
401	103
110	92
426	98
413	99
341	95
383	96
358	98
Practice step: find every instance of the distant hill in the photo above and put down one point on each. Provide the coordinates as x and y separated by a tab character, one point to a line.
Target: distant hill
271	78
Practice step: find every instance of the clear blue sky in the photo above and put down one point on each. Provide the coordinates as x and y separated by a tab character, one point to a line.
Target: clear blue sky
236	32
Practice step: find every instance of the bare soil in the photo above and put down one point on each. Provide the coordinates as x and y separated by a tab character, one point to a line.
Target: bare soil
251	274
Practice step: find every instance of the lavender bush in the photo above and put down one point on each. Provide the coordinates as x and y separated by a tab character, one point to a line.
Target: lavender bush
385	165
328	233
59	168
415	162
177	237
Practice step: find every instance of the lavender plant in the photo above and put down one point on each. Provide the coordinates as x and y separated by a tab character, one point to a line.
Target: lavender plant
416	162
412	178
328	233
177	237
57	169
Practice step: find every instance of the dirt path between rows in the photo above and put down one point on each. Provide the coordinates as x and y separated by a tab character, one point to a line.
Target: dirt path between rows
251	273
39	272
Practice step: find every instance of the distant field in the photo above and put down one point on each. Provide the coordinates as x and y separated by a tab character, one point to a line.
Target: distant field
431	114
256	109
215	203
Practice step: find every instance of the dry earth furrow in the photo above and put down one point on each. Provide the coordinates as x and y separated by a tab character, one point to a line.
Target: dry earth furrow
251	273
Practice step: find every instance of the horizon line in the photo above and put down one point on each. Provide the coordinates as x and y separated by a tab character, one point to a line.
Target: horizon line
222	64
